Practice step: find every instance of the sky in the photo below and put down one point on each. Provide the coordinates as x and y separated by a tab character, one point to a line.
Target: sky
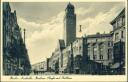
43	22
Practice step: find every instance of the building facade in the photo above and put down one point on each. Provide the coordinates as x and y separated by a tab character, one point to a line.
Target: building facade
119	39
54	61
92	53
67	60
15	55
39	68
78	55
61	47
100	48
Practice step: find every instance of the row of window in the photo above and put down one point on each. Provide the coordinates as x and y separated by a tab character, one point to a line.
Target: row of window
77	48
101	52
117	37
120	22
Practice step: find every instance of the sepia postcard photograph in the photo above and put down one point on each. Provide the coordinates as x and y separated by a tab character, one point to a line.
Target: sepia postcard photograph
63	40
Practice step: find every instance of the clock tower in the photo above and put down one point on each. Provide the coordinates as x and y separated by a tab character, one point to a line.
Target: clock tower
69	25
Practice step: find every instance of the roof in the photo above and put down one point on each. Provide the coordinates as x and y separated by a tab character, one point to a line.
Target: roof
70	6
98	35
121	13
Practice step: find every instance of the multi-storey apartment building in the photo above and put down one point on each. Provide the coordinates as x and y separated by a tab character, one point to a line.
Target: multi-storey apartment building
100	48
119	39
15	55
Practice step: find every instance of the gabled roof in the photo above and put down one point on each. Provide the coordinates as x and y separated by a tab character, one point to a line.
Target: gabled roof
121	13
